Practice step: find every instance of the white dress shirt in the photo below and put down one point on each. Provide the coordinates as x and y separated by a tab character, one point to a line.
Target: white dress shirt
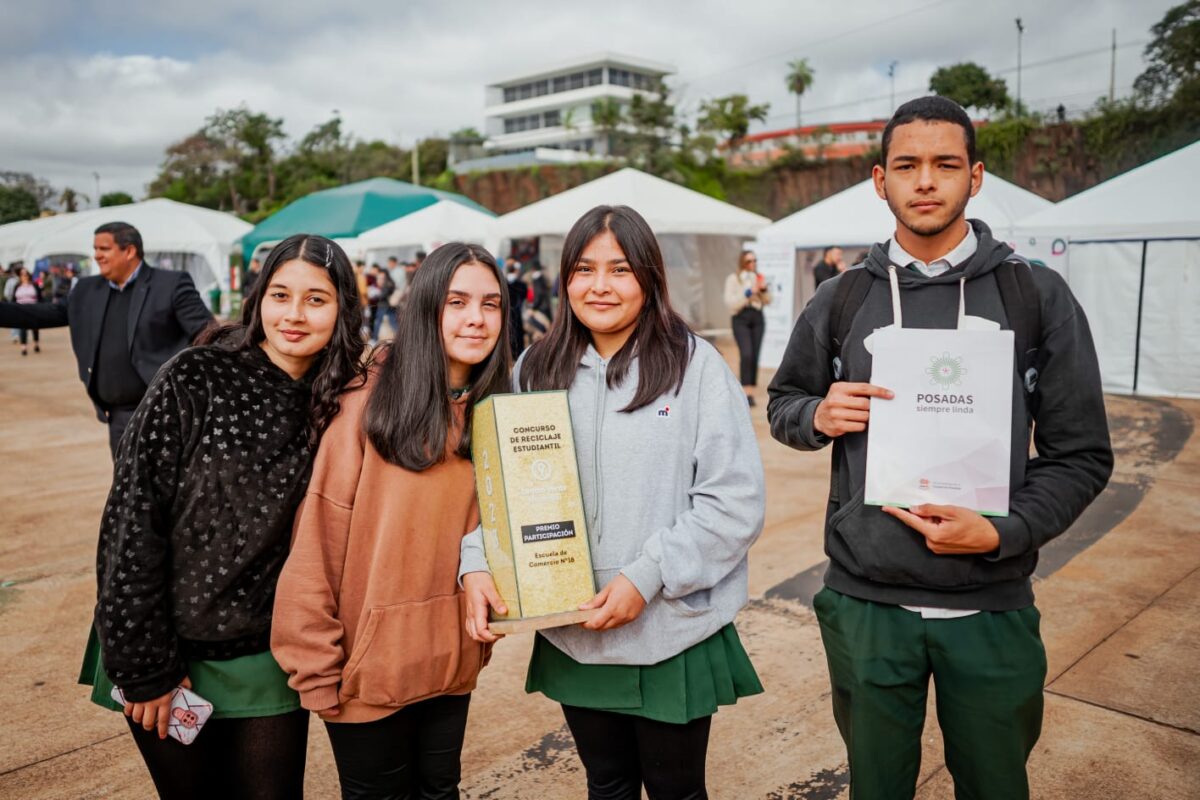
901	257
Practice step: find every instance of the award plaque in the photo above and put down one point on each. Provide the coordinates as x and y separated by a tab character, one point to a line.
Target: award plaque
531	507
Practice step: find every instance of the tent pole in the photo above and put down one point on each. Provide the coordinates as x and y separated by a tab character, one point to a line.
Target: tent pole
1137	342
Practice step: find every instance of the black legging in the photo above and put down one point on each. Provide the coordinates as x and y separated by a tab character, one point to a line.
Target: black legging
24	335
256	758
748	329
621	752
414	753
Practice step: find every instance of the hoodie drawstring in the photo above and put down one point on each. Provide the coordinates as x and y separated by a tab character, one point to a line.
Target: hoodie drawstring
897	318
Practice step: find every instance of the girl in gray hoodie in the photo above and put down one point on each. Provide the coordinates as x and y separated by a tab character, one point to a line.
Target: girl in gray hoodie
673	489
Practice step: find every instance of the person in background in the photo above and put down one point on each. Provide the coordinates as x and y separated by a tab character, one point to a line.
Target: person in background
832	263
252	274
746	293
198	523
11	279
125	323
27	293
539	290
516	305
383	308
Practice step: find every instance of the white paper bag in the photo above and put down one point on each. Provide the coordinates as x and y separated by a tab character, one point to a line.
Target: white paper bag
946	436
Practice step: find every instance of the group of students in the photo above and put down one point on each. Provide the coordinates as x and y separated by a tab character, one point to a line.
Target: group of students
289	521
293	527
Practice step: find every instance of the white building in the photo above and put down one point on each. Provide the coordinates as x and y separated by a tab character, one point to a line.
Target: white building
552	108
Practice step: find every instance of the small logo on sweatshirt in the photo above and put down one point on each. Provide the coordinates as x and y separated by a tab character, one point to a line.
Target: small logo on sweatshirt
665	411
924	483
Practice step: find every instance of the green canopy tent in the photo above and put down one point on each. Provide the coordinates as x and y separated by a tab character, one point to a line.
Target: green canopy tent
346	211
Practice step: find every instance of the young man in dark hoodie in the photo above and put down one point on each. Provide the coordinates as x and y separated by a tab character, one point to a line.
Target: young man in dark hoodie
940	590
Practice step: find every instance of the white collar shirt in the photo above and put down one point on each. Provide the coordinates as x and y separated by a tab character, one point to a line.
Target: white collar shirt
961	252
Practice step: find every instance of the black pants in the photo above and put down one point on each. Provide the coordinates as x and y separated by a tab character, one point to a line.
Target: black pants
748	329
621	752
118	420
24	335
414	753
257	758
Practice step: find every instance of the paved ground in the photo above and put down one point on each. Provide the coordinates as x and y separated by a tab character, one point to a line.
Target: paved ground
1118	594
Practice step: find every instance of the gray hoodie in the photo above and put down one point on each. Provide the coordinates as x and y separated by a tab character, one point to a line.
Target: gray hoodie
674	496
876	557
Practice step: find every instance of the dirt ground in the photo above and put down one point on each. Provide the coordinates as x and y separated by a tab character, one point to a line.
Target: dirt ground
1118	594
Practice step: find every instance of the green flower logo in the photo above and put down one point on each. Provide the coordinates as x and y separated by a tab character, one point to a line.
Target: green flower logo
945	370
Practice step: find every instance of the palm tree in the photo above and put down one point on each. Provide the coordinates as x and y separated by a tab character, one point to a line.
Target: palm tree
70	199
799	79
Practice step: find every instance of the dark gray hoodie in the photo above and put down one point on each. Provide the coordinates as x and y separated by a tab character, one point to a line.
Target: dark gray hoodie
876	557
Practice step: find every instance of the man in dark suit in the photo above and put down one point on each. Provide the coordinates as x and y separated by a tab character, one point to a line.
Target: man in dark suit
831	264
125	323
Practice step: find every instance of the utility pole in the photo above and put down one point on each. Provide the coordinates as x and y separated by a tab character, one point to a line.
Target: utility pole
1112	70
1020	33
416	162
96	175
892	75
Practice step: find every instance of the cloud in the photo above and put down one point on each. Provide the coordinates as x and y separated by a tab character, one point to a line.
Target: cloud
86	90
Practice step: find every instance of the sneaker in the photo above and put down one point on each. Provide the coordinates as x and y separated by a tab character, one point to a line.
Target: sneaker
750	400
37	348
24	351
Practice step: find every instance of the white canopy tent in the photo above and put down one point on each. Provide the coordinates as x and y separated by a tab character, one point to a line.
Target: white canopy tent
444	221
174	235
854	219
700	236
1130	250
16	237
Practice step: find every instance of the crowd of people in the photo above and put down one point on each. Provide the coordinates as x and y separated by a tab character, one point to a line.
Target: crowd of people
293	529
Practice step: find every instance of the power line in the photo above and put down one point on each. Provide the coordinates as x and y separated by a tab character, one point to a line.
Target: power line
823	40
914	91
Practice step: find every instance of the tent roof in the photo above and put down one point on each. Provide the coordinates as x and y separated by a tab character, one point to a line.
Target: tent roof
668	207
1155	200
856	216
165	225
346	211
443	221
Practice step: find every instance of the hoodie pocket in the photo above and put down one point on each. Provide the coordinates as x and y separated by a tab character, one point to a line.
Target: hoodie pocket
410	651
868	543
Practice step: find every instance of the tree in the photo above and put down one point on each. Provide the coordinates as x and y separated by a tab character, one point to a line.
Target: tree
16	204
731	116
1173	54
115	199
192	173
41	191
69	199
970	85
607	116
799	79
651	118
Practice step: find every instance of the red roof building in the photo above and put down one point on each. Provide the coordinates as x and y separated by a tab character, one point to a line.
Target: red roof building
835	140
817	142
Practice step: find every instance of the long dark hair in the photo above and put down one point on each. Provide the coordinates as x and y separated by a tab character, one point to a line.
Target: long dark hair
409	414
339	366
662	341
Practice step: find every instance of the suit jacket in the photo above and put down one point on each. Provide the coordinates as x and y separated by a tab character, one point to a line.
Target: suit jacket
165	315
823	272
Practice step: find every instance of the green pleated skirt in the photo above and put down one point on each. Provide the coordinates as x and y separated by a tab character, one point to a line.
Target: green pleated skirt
715	672
249	686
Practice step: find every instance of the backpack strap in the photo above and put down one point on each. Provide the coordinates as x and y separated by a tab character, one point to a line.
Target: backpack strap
848	296
1023	307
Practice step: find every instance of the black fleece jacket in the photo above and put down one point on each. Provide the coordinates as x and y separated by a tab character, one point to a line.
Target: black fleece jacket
876	557
198	522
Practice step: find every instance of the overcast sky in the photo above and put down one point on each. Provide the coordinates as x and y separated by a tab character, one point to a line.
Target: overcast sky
85	89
